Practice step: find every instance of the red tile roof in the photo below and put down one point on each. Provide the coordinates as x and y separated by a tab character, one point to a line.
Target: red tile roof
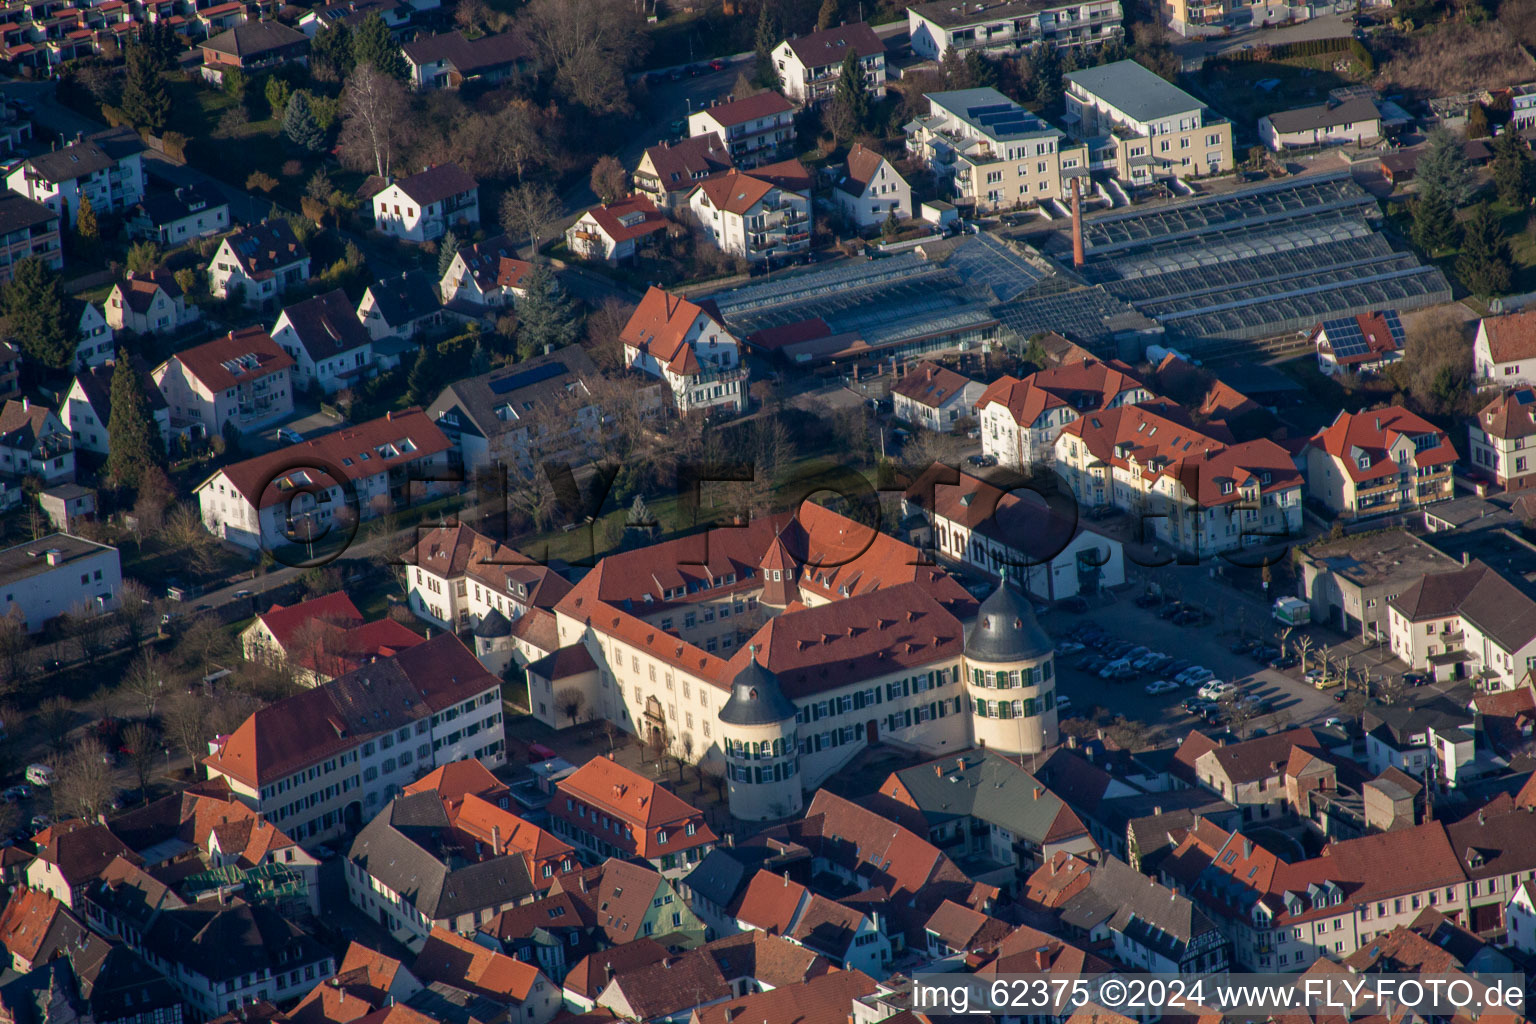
930	384
1512	336
763	104
1511	415
678	165
1089	384
463	963
626	219
647	807
350	454
1380	341
239	357
659	327
1374	433
823	1000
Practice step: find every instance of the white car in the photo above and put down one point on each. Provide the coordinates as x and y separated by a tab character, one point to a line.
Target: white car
1193	676
1216	689
1162	686
39	775
1067	647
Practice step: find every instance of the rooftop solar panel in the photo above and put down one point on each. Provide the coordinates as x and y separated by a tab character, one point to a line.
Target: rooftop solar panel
528	378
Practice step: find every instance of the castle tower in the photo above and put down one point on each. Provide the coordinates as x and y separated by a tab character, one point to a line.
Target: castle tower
1010	675
757	733
493	642
780	588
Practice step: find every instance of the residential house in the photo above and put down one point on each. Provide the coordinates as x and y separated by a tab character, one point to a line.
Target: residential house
56	575
484	277
520	990
106	168
519	415
151	303
175	216
991	153
1364	343
1504	351
71	854
1336	122
330	347
1349	582
687	345
252	45
810	65
93	346
422	865
758	129
820	999
1520	918
1501	436
1194	491
352	475
845	935
1432	743
1468	623
1010	26
668	171
983	807
998	531
28	230
615	232
322	638
242	379
400	307
1379	461
610	811
629	902
870	191
1252	774
1142	128
1021	419
35	927
87	407
934	397
428	204
293	766
35	443
458	577
449	59
68	507
258	262
759	215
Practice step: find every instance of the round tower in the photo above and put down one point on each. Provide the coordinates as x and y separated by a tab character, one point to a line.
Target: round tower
1010	675
493	641
757	733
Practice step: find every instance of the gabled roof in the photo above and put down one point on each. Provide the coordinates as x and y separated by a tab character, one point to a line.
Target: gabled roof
1325	115
735	191
930	384
988	787
452	552
400	300
554	384
1373	433
634	799
1083	385
326	325
455	960
860	169
492	264
139	290
1511	337
263	249
735	112
659	327
34	925
165	205
394	440
224	941
1510	415
239	357
1262	757
469	56
433	185
629	218
327	634
17	213
679	164
831	45
80	851
616	895
95	153
822	1000
1479	594
23	424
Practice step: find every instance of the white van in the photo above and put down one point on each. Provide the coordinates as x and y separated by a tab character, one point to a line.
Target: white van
39	775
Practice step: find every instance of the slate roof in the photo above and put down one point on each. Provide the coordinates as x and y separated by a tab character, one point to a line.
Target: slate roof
225	941
1325	115
264	248
989	787
326	325
97	152
1480	595
433	185
254	38
1129	902
540	385
410	296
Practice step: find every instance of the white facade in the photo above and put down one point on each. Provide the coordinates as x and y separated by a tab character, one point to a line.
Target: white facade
227	272
806	83
1514	365
110	189
936	28
95	345
1504	663
57	575
398	215
868	204
88	425
1520	912
333	372
944	415
1089	560
777	224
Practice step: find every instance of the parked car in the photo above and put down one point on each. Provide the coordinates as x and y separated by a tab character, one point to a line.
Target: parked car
1067	647
1243	646
1415	678
1092	663
1313	676
1114	668
1264	653
39	775
289	436
982	461
1063	703
1161	686
1215	689
17	792
717	65
1197	705
1285	661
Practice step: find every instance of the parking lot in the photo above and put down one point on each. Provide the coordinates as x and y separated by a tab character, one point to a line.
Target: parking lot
1291	701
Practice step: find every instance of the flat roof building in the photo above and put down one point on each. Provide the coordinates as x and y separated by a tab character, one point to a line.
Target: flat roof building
56	575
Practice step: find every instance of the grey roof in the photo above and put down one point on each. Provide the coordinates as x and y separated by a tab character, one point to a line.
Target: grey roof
18	212
405	298
1396	725
255	38
493	624
23	560
756	698
1325	115
224	941
406	848
725	872
1006	629
1500	610
531	382
1134	90
167	205
327	325
451	1005
986	785
990	112
1129	902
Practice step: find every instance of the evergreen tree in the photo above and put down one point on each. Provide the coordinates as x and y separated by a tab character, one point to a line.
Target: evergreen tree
1512	169
1434	223
373	44
1443	168
161	42
852	92
768	35
479	359
1044	75
300	126
331	52
447	249
1477	122
1485	264
954	71
421	379
980	69
546	319
146	104
133	444
34	304
85	220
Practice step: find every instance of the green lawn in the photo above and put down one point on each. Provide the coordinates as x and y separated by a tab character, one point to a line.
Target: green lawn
1232	87
197	110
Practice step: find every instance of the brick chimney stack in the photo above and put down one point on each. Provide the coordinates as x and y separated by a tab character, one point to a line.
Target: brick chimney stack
1077	222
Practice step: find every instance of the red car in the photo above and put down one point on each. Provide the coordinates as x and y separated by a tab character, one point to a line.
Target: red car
717	65
539	752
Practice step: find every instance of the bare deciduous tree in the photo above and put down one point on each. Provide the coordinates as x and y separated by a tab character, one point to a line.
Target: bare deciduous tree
137	612
373	120
571	701
146	681
142	742
186	722
609	179
91	630
529	208
590	44
16	656
55	718
82	780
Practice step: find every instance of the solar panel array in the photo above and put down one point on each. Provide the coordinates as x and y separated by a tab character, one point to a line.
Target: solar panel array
1256	263
528	378
1347	339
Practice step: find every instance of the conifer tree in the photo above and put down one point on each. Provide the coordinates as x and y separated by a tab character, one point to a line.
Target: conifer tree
33	302
133	444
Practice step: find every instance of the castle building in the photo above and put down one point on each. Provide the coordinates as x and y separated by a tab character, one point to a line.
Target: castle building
782	648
